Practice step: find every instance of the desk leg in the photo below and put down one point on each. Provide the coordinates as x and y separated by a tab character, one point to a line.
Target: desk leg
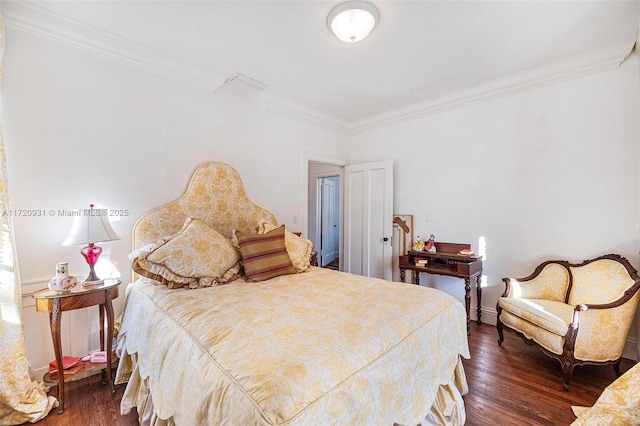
101	311
109	309
479	296
467	302
416	276
54	322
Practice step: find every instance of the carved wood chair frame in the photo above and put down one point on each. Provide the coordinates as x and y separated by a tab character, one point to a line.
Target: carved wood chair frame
566	358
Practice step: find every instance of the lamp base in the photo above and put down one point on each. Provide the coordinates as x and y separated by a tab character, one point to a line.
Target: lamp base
91	254
92	280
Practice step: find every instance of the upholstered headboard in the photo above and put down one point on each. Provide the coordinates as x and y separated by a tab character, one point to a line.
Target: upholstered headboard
214	195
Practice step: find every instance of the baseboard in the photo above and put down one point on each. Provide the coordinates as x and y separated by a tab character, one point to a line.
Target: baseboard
488	316
38	374
630	350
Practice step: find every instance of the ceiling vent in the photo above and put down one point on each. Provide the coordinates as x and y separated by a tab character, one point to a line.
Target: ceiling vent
245	81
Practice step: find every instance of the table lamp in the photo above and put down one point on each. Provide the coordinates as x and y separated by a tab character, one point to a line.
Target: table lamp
91	226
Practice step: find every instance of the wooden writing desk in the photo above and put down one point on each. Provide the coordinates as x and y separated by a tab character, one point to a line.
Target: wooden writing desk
447	261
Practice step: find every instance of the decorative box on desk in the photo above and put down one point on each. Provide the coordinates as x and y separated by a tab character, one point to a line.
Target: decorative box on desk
447	261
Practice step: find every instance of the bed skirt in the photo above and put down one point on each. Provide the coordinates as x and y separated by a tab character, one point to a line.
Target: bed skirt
447	408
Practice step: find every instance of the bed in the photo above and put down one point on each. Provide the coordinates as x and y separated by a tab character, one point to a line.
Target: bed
310	346
619	403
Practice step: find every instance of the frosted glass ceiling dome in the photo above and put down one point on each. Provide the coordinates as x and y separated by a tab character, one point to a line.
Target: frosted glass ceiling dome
352	21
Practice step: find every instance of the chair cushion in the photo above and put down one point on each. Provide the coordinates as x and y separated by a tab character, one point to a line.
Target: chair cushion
550	315
548	340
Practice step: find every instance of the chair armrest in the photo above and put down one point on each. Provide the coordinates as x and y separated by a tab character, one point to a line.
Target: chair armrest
507	286
583	307
518	287
575	317
591	335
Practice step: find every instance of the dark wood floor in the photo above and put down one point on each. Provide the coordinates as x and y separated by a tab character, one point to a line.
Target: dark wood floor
516	384
512	384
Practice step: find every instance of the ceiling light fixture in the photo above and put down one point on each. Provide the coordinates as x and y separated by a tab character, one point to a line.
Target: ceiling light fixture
352	21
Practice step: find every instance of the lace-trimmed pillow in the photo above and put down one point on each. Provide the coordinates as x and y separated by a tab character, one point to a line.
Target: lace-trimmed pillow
264	256
299	249
196	256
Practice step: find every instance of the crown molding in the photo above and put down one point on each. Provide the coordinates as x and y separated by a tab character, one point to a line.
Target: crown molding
276	105
35	21
604	59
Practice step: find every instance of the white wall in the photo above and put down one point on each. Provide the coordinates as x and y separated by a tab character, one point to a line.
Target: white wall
79	129
547	173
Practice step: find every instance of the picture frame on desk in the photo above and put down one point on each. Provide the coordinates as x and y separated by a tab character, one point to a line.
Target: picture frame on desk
402	239
403	229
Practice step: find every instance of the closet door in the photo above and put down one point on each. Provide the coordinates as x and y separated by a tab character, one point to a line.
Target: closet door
368	219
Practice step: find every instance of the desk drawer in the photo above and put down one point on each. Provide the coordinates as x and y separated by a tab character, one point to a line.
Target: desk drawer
83	301
70	303
461	268
468	269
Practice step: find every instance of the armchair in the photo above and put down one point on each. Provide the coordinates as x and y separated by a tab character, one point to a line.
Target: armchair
576	313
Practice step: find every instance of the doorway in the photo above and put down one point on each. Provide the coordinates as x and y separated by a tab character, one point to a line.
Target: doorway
325	212
365	220
329	221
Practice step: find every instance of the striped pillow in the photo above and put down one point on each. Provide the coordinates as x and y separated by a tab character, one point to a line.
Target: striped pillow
264	255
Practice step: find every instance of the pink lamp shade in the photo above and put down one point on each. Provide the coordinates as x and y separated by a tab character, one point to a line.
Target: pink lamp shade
91	226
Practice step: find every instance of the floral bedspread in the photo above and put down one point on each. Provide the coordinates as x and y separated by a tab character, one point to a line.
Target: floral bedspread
320	347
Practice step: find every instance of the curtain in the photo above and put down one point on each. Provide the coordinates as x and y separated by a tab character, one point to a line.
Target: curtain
21	400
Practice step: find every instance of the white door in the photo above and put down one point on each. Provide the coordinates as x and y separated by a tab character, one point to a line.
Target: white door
329	222
368	219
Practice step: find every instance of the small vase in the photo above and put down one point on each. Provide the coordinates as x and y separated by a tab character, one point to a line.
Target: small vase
62	281
66	284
